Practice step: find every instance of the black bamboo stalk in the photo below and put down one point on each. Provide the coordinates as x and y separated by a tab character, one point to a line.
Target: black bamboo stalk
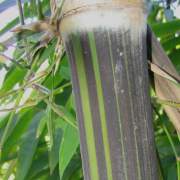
106	44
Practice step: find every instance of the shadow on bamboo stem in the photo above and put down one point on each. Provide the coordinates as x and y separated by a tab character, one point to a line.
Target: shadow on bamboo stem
106	45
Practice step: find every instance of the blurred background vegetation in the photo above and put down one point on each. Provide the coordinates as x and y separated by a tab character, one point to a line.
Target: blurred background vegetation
38	132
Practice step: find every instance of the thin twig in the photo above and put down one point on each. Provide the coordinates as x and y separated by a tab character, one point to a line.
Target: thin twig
59	112
21	88
13	61
54	106
15	108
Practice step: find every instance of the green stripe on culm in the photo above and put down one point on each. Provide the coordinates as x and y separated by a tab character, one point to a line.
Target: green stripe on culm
101	105
86	107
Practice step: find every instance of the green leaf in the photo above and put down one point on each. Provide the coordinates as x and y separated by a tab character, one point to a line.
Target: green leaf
74	169
9	26
28	148
49	51
163	29
63	97
39	165
18	52
33	8
14	76
41	126
12	126
65	72
54	152
64	69
3	121
19	129
171	44
152	16
69	144
175	57
172	172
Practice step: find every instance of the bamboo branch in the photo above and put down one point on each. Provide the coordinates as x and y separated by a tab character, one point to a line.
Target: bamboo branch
57	110
21	88
13	61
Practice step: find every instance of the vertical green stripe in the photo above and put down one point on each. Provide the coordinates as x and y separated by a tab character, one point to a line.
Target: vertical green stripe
86	107
101	105
118	110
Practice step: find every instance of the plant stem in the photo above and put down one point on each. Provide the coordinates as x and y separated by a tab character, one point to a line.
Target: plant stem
50	113
21	88
21	15
59	112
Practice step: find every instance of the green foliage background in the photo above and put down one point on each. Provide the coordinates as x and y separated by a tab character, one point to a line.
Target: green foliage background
39	137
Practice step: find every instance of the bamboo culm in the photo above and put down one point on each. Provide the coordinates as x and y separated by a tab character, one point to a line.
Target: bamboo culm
106	45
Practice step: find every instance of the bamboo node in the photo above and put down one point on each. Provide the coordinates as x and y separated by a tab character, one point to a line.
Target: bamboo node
70	10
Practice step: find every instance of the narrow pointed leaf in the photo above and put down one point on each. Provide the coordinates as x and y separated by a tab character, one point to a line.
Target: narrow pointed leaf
27	148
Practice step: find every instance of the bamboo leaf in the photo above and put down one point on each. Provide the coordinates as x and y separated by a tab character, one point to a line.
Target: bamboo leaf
68	146
11	127
153	15
39	165
9	26
27	148
15	75
69	142
175	57
163	29
54	153
41	126
3	121
171	44
74	170
19	129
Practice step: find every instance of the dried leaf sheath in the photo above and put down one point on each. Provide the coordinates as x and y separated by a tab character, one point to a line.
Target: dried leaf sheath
110	81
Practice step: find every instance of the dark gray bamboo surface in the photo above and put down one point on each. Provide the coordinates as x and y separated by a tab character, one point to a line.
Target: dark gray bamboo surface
111	88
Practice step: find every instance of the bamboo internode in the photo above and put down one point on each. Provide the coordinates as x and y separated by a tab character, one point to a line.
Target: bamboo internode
106	45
